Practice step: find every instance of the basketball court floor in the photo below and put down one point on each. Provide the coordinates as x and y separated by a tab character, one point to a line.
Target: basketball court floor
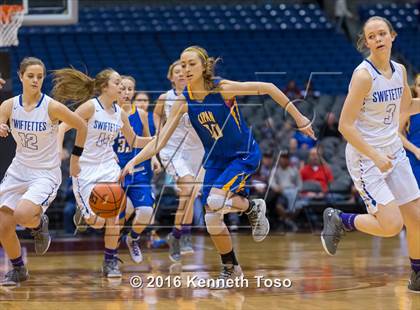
366	273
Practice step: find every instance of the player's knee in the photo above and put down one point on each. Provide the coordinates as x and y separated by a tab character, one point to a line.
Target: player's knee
214	223
217	202
143	215
24	218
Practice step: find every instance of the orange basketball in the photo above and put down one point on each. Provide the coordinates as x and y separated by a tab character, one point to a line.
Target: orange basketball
107	199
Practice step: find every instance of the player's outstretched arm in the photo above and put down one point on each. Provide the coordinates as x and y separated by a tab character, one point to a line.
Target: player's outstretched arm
230	89
409	106
5	112
159	141
359	88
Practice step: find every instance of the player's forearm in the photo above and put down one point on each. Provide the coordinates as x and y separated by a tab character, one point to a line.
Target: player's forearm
353	136
147	152
278	96
81	134
140	142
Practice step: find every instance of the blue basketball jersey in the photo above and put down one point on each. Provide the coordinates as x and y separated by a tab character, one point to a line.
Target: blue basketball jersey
123	150
413	130
221	129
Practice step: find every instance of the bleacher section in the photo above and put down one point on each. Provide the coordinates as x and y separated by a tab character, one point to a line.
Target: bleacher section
406	20
253	41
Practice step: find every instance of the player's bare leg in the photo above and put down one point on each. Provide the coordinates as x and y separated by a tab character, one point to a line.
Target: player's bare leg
11	246
28	214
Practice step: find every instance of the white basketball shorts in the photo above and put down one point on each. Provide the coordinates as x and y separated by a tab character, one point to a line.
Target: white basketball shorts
375	187
39	186
183	163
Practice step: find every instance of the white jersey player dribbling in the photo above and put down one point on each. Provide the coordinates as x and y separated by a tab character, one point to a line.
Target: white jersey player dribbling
378	124
183	154
98	162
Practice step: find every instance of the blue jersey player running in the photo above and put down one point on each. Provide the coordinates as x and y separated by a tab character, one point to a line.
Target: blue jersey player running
231	152
138	185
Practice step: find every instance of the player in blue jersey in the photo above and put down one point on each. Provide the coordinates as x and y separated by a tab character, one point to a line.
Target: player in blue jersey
141	100
231	153
137	186
410	130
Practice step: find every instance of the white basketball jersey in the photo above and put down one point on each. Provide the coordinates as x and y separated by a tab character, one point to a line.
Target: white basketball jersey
379	117
103	128
35	135
184	134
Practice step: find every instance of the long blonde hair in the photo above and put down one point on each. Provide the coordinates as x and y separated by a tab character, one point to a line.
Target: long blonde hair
73	85
209	64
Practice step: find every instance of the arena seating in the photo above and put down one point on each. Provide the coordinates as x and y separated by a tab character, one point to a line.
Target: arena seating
254	41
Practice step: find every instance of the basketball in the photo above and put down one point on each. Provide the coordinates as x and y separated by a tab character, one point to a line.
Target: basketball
107	200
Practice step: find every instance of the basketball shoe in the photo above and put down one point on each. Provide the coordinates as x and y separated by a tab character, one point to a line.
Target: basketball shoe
333	230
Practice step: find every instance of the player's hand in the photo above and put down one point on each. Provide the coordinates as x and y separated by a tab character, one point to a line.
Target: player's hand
2	82
156	166
128	169
305	126
4	130
384	162
74	166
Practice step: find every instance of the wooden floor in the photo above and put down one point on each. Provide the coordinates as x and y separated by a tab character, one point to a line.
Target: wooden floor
366	273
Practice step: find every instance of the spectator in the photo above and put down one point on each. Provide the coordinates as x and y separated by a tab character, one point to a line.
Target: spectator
291	90
330	128
285	179
309	92
317	170
341	15
284	134
268	129
285	183
2	82
304	142
142	100
297	157
260	180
